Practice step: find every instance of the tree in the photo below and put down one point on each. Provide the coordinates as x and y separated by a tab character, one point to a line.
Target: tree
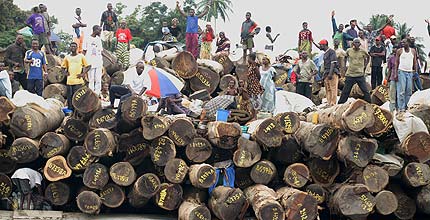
403	31
12	18
217	9
66	39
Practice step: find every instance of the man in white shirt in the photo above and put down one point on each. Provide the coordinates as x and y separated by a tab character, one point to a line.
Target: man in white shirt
5	85
79	29
25	179
93	53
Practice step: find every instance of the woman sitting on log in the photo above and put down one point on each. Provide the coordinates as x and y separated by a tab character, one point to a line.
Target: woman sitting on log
244	100
226	100
223	45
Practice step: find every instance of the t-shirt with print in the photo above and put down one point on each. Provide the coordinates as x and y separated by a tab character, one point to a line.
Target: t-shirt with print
94	47
109	19
306	68
123	35
74	65
356	59
377	60
37	23
39	59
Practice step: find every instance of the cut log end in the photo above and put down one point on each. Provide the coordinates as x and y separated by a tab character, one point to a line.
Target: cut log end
169	197
297	175
199	150
386	202
122	173
263	172
57	193
416	174
5	186
112	195
289	121
96	176
162	150
89	202
56	169
176	170
202	175
269	133
154	127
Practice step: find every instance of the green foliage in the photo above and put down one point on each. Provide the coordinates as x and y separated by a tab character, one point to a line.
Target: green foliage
66	39
11	15
377	21
217	9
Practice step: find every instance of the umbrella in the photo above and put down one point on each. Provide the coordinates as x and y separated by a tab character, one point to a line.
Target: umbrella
25	31
162	83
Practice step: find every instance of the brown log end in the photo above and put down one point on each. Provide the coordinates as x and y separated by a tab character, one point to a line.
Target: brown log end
226	202
100	142
202	175
136	148
417	146
112	195
224	135
319	140
205	79
358	116
147	185
386	202
383	122
247	154
53	144
289	152
356	150
7	163
269	133
57	193
324	171
182	132
6	108
297	175
153	127
225	61
192	211
176	170
199	150
24	150
5	186
79	159
162	150
185	65
76	130
375	178
96	176
169	197
56	75
354	201
318	192
104	118
82	97
133	109
56	168
263	172
423	199
406	207
416	174
89	202
289	121
122	173
299	206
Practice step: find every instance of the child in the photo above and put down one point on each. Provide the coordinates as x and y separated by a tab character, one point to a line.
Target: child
104	95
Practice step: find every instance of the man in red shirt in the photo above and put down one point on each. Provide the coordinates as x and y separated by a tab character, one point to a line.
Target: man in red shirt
123	36
388	30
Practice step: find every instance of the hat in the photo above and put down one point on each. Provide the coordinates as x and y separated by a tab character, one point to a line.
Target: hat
323	42
378	38
393	37
356	40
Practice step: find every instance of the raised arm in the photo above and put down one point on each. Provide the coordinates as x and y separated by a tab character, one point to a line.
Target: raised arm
180	10
205	11
333	23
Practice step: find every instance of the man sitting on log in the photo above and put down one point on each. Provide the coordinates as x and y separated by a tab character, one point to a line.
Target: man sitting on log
25	179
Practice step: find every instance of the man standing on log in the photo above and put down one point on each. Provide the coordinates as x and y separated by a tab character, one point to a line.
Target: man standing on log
37	60
36	23
93	52
47	26
79	29
76	67
14	58
305	39
25	179
109	22
191	37
305	70
377	52
330	73
358	60
247	33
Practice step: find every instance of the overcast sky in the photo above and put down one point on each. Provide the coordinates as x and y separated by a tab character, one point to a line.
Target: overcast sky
285	17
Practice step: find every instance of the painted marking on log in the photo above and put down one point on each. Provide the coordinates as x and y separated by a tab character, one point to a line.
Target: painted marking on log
91	207
136	148
153	182
120	178
163	194
288	124
83	162
242	157
275	214
55	193
75	131
181	170
234	198
181	73
205	175
79	94
269	127
198	144
281	79
379	115
53	152
324	137
200	215
97	175
21	148
97	140
157	126
384	92
322	173
356	152
365	203
420	174
317	196
4	189
29	122
303	214
203	80
56	169
360	118
178	138
295	178
106	192
222	60
105	118
263	169
133	109
369	175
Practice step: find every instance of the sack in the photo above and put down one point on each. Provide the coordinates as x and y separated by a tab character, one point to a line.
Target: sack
411	124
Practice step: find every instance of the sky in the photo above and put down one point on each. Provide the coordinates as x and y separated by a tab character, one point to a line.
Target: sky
283	16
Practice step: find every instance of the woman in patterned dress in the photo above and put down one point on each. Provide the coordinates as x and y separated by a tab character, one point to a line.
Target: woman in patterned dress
253	84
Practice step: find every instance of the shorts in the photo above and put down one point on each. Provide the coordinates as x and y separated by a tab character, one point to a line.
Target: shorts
107	35
248	43
42	38
23	185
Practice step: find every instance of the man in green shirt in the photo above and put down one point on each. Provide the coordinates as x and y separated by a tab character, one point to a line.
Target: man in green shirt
358	60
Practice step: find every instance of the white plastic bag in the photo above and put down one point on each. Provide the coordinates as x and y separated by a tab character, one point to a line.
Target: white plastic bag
411	124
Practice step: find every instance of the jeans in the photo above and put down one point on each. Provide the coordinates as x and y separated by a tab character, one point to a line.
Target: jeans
192	43
417	82
304	88
71	89
404	89
331	87
376	76
393	95
349	83
35	86
95	79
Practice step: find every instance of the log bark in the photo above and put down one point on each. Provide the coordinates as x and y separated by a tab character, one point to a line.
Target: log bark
6	109
169	197
146	185
289	152
423	200
53	60
136	148
289	121
416	174
353	201
202	175
24	150
182	132
247	154
56	169
79	159
110	62
185	65
375	178
269	133
193	211
224	135
100	142
393	164
297	175
74	129
7	163
89	202
104	118
422	111
5	186
122	173
417	146
319	140
380	95
162	150
205	79
242	178
133	109
355	150
264	202
154	126
56	75
176	170
96	176
56	91
383	122
225	61
53	144
82	97
263	172
117	78
227	203
324	172
225	81
199	150
57	193
298	205
112	195
386	202
318	192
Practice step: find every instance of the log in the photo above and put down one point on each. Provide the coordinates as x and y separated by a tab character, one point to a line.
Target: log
318	192
112	195
117	78
185	65
5	186
319	140
154	126
406	206
193	211
57	193
56	75
161	62
137	202
297	175
104	118
423	199
136	148
162	150
386	202
122	173
106	79
6	108
374	178
7	163
146	185
224	135
421	111
53	144
268	133
383	122
352	116
24	150
247	154
82	98
79	159
298	205
264	202
169	197
380	95
133	109
202	175
176	170
205	79
226	63
199	150
33	120
416	174
281	77
56	169
100	142
353	201
227	203
89	202
53	60
242	178
182	132
225	81
289	121
263	172
96	176
74	129
323	172
356	92
56	91
289	152
358	151
242	72
417	146
110	62
391	163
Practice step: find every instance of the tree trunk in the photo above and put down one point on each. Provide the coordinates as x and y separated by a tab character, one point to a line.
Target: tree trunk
263	172
57	193
289	152
224	135
185	65
56	91
353	201
375	178
176	170
82	98
56	169
53	144
298	205
24	150
383	122
247	154
56	75
319	140
358	151
79	159
117	78
146	185
380	95
100	142
422	111
225	61
104	118
318	192
416	174
289	121
417	146
199	150
202	175
297	175
169	197
5	186
96	176
7	163
264	202
154	126
6	108
112	195
423	200
193	211
269	133
386	202
205	79
122	173
162	150
89	202
182	132
225	81
136	148
74	129
227	203
324	172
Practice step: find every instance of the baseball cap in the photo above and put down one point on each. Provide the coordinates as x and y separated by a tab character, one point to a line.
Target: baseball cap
323	42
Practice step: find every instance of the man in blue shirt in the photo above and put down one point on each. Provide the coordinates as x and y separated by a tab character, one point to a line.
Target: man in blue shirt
37	61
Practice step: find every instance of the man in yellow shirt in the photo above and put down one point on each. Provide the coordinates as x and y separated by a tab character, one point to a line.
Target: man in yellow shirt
76	67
